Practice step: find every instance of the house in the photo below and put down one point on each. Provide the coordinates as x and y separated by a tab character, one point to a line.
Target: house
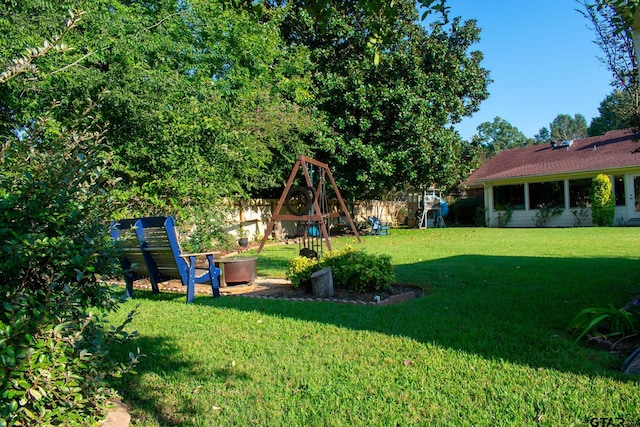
549	185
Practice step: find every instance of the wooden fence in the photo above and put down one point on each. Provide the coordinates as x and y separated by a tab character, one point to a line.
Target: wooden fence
252	218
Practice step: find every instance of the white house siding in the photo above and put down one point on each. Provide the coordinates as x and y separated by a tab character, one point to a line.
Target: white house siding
526	218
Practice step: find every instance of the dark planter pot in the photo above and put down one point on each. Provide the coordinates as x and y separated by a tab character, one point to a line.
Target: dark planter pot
244	242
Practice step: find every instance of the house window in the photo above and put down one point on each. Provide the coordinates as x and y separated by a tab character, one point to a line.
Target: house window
618	190
579	190
546	195
508	196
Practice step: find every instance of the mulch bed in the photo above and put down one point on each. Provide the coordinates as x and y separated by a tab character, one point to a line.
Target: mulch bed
397	293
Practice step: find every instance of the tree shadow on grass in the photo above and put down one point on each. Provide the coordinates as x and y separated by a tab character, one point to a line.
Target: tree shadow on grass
503	308
162	359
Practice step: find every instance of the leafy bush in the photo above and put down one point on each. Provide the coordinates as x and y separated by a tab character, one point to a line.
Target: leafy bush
544	214
54	251
480	217
300	269
602	201
505	216
619	322
351	269
580	216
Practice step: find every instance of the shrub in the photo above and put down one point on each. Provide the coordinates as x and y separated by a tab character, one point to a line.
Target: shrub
351	269
504	217
54	251
480	217
580	216
544	214
602	201
359	270
300	269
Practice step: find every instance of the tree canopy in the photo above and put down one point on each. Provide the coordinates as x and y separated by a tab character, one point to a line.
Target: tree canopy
203	100
612	22
498	135
564	127
200	102
392	120
616	112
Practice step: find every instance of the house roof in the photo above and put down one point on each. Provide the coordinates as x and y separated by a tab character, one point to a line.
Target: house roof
614	150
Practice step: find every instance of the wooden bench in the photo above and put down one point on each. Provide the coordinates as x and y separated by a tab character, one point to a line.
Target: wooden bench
151	250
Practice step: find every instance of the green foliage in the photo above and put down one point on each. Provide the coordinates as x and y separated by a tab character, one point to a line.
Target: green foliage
611	21
480	216
504	217
544	214
580	216
391	119
616	112
300	269
498	135
203	103
564	127
55	366
359	270
602	201
618	322
543	136
351	269
55	250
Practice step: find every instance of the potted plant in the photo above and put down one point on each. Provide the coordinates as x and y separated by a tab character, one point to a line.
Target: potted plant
243	240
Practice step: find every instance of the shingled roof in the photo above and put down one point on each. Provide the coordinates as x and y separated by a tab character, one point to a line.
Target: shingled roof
614	150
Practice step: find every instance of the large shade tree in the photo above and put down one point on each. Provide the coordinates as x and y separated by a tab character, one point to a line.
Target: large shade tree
498	135
201	102
616	112
392	119
565	127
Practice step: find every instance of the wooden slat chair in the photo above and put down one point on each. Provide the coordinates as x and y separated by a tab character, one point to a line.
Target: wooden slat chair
165	261
133	260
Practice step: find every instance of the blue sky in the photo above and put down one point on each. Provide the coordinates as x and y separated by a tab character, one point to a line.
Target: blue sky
542	60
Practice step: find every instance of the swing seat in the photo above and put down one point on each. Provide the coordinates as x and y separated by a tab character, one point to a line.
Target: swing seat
378	228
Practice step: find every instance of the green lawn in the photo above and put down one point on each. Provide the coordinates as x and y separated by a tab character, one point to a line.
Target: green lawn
487	346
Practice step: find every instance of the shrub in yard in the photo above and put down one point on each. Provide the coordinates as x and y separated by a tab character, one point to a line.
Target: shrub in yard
300	269
358	270
54	250
351	269
504	217
544	214
602	201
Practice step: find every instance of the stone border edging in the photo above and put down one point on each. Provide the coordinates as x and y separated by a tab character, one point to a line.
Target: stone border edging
393	299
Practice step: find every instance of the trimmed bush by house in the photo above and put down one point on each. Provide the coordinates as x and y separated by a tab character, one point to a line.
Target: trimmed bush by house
602	201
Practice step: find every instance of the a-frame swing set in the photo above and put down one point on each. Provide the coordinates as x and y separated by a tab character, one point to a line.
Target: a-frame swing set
309	205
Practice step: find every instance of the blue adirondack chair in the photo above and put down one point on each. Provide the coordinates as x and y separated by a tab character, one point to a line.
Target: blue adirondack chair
133	259
378	228
158	256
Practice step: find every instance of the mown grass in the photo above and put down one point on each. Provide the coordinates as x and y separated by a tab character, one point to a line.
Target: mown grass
487	346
